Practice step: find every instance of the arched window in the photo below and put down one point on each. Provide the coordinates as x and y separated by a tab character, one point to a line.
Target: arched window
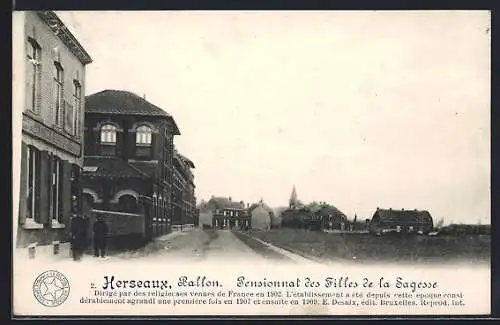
143	135
127	203
108	133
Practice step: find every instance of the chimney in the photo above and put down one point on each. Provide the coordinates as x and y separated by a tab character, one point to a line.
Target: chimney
230	199
144	96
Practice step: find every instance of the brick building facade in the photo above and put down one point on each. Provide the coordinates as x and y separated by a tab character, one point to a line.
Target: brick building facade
183	195
129	157
53	75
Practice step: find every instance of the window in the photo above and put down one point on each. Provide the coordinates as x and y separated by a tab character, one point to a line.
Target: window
33	56
56	189
143	135
77	95
58	93
33	187
127	203
108	134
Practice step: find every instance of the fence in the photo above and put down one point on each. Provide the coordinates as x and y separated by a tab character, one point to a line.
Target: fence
185	227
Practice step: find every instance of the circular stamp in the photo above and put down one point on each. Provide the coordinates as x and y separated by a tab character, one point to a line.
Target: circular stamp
51	288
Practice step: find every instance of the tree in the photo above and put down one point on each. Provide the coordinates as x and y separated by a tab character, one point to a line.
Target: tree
440	223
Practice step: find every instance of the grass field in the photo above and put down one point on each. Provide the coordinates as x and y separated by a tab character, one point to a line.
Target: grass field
361	248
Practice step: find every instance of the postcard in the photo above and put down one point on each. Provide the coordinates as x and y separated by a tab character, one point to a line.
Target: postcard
237	163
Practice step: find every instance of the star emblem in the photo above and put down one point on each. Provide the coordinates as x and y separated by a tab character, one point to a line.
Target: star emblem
51	288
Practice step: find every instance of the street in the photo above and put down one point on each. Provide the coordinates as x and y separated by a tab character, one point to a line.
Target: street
203	245
196	245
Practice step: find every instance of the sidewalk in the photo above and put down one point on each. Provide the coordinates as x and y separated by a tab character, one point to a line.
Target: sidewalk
45	255
158	243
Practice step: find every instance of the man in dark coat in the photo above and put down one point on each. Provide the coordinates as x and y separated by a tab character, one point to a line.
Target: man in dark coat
100	233
79	230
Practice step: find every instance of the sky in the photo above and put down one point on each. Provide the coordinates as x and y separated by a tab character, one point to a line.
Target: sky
358	109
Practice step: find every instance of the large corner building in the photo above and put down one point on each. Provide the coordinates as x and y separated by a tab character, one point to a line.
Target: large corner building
130	160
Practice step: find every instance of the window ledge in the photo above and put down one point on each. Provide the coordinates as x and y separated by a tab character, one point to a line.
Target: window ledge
31	224
57	225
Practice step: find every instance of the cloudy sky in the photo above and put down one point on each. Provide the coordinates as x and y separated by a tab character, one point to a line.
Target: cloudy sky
360	109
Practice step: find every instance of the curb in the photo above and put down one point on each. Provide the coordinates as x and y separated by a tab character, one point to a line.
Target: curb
277	249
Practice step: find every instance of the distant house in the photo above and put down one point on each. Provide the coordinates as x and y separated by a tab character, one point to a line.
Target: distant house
261	216
329	216
222	212
407	221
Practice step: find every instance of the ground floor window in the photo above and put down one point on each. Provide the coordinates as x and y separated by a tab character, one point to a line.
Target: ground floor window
33	185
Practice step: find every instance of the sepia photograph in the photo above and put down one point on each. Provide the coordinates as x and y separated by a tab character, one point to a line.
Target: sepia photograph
232	163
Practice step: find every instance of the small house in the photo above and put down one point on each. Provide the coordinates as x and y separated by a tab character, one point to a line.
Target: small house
261	216
404	221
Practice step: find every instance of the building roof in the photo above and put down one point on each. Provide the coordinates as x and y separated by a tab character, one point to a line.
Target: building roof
57	26
124	103
398	216
225	203
260	204
325	209
186	160
111	168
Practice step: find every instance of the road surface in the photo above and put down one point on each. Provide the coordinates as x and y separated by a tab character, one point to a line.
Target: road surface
197	245
202	245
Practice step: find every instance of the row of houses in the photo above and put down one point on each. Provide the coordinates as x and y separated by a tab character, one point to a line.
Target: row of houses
323	216
112	151
221	212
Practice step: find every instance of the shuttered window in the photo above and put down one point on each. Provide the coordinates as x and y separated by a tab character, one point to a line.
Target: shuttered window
33	179
58	93
33	74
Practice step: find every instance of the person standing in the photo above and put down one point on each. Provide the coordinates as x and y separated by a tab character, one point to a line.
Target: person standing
100	229
79	228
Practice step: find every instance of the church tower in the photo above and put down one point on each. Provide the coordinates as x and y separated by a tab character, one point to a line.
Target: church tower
293	199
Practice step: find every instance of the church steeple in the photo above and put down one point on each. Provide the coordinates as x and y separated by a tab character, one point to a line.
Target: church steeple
293	198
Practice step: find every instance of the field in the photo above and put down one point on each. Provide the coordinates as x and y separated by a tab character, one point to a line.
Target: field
359	247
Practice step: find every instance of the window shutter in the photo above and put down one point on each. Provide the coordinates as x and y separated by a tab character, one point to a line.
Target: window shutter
52	166
29	84
44	187
66	192
76	187
68	113
23	184
37	172
55	111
